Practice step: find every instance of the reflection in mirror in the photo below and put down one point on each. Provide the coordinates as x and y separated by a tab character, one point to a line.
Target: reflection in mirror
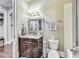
35	25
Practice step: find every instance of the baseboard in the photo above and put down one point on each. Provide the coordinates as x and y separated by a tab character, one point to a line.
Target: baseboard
61	54
8	42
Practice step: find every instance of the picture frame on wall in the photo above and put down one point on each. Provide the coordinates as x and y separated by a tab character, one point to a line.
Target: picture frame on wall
52	26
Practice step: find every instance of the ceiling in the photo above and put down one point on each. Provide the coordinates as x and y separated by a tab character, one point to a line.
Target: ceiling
35	3
47	3
6	3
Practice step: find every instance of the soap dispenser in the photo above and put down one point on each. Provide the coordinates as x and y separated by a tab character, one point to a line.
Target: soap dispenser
23	30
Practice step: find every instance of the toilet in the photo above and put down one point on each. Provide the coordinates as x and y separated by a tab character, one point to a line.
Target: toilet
53	46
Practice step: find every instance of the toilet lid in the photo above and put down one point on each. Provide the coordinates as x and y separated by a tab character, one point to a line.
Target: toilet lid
53	54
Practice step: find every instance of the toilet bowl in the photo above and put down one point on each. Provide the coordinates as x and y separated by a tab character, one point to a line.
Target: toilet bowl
53	46
53	54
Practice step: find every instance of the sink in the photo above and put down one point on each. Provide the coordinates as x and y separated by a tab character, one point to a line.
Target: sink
73	53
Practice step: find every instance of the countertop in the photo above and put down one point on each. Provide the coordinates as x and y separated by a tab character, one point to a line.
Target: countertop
30	36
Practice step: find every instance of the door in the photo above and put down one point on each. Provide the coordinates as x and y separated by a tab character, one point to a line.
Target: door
10	28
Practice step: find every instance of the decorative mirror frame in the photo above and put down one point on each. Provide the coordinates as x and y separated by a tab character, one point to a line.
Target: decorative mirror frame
41	25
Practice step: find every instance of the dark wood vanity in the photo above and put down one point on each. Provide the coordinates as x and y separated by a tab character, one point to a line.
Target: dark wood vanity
30	47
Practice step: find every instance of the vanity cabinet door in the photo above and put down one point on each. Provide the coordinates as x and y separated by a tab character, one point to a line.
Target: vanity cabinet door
25	45
27	51
22	49
34	49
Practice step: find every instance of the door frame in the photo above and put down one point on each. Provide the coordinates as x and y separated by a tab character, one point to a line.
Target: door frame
15	40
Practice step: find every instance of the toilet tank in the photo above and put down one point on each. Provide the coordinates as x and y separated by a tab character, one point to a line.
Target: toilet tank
53	44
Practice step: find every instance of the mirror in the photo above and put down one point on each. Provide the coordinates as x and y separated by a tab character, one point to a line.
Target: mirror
35	25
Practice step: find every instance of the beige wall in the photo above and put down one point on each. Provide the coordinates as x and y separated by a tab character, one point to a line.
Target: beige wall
60	32
54	12
67	26
21	11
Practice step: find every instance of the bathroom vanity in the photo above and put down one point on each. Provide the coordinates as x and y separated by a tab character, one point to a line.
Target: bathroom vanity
30	46
73	53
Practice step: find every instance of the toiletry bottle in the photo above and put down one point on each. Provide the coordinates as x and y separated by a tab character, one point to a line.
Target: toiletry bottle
22	30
